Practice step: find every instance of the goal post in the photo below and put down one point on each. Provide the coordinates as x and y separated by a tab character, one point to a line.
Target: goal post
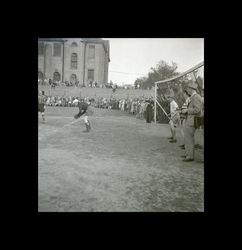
194	76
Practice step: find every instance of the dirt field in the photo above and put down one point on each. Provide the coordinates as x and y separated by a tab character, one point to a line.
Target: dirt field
122	165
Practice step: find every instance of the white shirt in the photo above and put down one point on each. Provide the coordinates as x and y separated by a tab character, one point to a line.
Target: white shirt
75	101
173	107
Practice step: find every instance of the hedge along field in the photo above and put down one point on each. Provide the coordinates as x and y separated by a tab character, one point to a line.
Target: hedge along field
122	165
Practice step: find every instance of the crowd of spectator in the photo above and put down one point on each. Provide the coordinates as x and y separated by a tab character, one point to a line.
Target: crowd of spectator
54	83
134	106
58	101
90	84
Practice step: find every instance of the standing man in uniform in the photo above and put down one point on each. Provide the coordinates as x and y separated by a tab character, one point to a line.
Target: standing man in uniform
194	108
42	98
175	118
183	117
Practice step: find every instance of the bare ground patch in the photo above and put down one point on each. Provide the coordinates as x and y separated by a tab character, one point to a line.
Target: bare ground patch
123	164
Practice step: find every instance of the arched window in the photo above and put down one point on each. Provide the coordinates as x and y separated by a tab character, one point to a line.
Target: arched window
73	79
74	44
74	61
56	76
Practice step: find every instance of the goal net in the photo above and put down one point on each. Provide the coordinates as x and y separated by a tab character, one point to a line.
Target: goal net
174	87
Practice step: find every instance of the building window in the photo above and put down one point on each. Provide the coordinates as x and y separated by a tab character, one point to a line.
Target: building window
74	44
74	61
73	79
90	74
57	49
56	77
91	51
41	49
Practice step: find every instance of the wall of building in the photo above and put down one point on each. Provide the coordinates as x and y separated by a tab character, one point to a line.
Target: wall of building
49	64
67	61
106	65
41	63
52	63
100	64
96	63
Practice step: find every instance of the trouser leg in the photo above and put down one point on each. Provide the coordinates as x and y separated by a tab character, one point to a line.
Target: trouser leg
173	130
43	116
189	141
182	131
87	123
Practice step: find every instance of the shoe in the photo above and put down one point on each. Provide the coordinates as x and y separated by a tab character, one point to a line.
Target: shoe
183	156
182	146
172	141
188	159
170	138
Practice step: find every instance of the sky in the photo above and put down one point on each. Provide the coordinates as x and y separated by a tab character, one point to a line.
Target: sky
133	58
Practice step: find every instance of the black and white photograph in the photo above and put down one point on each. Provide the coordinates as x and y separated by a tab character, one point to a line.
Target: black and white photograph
120	124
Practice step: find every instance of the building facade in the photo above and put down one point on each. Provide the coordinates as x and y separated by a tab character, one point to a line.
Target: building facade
83	60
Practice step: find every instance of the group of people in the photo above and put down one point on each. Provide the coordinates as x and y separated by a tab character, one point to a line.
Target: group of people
54	83
60	101
76	83
141	108
183	118
186	118
134	106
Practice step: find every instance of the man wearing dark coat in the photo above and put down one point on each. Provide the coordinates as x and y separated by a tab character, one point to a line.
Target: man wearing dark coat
194	109
149	111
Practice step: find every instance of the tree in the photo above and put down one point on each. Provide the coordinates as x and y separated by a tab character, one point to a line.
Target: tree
140	81
162	71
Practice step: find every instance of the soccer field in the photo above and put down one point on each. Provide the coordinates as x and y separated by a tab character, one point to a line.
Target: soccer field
122	165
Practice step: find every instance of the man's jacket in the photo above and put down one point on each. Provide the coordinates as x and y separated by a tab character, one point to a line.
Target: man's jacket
194	108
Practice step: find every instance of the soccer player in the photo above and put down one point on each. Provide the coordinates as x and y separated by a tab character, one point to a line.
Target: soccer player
84	109
42	98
